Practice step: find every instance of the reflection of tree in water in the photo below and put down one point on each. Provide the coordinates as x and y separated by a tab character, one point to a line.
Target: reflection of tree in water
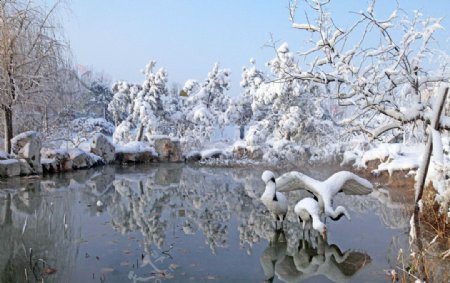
32	230
143	202
205	200
393	214
137	204
254	221
312	257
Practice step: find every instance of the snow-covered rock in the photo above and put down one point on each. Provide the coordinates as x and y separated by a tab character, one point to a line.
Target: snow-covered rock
57	154
168	149
82	159
386	157
49	165
136	157
28	145
213	153
102	147
61	158
25	168
135	152
4	155
193	156
242	151
9	168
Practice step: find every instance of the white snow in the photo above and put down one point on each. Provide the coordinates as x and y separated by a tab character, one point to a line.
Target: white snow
326	190
307	27
438	149
135	147
4	155
9	161
47	161
399	163
211	152
392	157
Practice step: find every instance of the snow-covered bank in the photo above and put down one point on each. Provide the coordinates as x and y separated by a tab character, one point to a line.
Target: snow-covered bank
28	157
406	159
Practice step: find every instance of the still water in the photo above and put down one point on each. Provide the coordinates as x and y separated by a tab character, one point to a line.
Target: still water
176	223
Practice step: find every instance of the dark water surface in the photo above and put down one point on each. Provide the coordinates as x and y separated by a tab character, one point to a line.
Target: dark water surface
176	223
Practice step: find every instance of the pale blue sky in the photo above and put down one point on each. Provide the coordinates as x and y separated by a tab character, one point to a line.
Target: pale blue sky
187	37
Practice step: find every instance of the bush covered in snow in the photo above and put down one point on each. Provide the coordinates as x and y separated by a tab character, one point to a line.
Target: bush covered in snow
77	132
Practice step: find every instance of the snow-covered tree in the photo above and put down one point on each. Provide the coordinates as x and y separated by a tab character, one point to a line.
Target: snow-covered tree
288	115
101	96
121	103
384	70
32	53
386	83
206	106
240	110
146	109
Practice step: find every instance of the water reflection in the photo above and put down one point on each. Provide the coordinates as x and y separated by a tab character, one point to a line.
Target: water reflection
51	222
313	257
31	229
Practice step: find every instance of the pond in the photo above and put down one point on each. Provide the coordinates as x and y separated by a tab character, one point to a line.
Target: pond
177	223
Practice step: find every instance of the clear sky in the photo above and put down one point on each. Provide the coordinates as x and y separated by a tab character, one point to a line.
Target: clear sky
187	37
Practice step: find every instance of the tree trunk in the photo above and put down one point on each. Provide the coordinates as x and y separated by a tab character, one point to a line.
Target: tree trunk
8	127
423	169
140	133
46	118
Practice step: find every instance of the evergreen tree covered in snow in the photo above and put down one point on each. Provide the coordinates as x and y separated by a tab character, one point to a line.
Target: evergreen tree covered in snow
147	109
289	115
121	103
205	107
101	96
240	110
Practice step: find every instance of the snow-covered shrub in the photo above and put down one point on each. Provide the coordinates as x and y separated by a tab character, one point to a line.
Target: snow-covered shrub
258	132
123	133
91	126
284	150
77	131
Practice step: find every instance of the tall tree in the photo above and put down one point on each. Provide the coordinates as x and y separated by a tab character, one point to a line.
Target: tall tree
141	110
31	54
205	106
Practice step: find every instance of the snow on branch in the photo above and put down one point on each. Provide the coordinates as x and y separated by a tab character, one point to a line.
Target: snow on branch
389	83
306	27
